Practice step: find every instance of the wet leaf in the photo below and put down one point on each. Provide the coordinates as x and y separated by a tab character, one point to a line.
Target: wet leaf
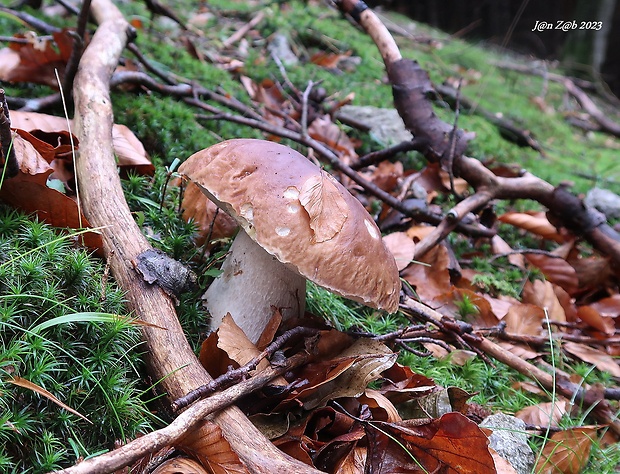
326	207
451	444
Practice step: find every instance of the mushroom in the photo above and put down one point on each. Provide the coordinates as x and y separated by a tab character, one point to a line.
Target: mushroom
296	223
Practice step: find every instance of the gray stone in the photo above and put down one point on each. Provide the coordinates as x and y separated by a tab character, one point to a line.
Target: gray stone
279	46
605	201
385	124
509	440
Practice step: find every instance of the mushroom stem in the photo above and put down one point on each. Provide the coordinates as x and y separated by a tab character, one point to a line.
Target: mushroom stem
252	282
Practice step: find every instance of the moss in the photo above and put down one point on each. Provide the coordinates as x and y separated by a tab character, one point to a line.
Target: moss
92	367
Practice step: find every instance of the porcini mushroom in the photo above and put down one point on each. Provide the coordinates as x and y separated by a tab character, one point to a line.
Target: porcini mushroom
296	223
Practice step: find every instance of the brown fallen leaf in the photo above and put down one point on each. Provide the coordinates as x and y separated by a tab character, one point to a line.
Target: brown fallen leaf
180	465
450	444
208	445
324	204
129	150
534	222
599	359
556	270
402	247
567	452
544	414
38	59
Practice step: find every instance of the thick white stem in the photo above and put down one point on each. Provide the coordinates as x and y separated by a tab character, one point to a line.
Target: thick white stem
251	283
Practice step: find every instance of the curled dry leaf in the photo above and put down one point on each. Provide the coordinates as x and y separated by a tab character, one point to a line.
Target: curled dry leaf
207	445
542	294
180	465
29	192
127	147
402	247
534	222
37	59
325	206
21	382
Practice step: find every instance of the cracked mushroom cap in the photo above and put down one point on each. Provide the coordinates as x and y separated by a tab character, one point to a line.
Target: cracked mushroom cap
301	215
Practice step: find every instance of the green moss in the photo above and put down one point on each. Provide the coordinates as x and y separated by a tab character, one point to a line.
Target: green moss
92	367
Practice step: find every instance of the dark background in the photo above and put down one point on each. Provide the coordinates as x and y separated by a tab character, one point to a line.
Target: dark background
587	54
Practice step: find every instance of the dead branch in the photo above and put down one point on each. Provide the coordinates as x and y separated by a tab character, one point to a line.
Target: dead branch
184	423
8	161
601	409
169	356
607	125
411	87
505	127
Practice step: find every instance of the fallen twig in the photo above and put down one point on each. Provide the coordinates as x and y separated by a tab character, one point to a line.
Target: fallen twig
170	358
411	87
184	423
601	410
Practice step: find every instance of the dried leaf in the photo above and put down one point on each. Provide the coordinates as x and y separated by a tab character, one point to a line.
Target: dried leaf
430	276
325	205
542	294
211	223
451	444
21	382
501	247
556	270
208	445
608	307
594	319
534	222
501	465
128	148
348	375
544	414
326	131
402	247
524	320
39	59
599	359
180	465
567	452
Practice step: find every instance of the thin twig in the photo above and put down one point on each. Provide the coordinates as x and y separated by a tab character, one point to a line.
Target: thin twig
235	375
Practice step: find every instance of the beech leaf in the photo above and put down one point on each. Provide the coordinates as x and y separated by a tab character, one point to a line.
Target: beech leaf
325	205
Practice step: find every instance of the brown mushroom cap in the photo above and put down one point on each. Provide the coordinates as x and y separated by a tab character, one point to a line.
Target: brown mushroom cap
301	215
